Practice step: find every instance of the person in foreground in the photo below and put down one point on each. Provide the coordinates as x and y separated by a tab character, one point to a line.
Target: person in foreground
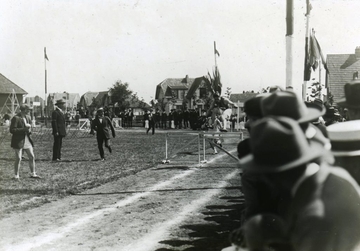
323	210
102	126
345	146
20	128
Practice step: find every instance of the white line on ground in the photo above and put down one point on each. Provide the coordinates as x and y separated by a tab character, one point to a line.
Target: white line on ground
46	238
160	231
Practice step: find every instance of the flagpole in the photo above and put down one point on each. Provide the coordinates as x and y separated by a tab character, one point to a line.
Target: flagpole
289	41
308	8
45	101
320	86
215	54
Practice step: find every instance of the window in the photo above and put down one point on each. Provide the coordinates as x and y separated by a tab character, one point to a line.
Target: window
202	93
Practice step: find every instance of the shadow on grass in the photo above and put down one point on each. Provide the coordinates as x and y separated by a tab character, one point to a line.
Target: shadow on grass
162	190
24	191
213	235
172	167
49	160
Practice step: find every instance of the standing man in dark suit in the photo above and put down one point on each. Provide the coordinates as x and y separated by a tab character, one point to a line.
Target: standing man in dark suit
20	128
102	125
151	122
58	128
130	117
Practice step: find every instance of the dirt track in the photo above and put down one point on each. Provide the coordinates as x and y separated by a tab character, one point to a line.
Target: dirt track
162	208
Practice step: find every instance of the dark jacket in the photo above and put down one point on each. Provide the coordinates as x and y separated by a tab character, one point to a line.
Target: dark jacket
325	212
58	123
18	131
103	128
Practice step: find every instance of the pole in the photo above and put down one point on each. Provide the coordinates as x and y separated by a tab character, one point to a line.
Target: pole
289	40
308	8
320	86
215	54
45	101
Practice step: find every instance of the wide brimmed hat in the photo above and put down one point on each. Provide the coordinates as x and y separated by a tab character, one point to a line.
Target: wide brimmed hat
100	110
279	144
252	106
59	102
288	104
345	138
352	94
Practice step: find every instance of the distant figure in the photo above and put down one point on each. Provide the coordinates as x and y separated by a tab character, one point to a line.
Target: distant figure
77	118
58	128
20	129
130	116
151	122
102	126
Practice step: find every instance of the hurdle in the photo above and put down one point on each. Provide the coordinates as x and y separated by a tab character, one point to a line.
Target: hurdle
201	138
167	135
209	136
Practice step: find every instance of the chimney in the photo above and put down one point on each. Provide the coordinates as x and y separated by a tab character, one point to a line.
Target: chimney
357	52
187	77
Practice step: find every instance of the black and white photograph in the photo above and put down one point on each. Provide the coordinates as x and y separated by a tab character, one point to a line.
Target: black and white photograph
179	125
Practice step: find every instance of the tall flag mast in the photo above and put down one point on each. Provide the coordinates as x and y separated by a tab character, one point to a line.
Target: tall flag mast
307	67
289	38
45	101
216	53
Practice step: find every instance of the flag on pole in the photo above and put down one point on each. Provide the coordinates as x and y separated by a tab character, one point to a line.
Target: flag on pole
215	50
45	56
319	53
313	54
307	65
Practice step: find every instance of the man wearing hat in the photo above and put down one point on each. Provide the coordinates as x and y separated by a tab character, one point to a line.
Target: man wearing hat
345	146
352	99
20	128
288	104
320	204
102	125
258	195
58	128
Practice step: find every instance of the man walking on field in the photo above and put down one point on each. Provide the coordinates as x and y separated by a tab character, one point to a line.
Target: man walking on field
102	125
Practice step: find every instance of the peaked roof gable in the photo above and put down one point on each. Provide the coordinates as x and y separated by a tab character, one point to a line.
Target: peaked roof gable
174	83
341	69
7	86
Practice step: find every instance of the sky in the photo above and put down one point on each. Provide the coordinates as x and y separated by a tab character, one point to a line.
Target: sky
91	44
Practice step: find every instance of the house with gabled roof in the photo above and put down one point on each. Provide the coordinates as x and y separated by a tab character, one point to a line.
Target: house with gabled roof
9	89
342	68
180	92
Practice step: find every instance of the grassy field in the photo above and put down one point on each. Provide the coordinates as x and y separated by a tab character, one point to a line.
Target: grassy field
81	167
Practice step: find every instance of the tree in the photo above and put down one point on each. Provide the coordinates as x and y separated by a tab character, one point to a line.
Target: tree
120	92
213	83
